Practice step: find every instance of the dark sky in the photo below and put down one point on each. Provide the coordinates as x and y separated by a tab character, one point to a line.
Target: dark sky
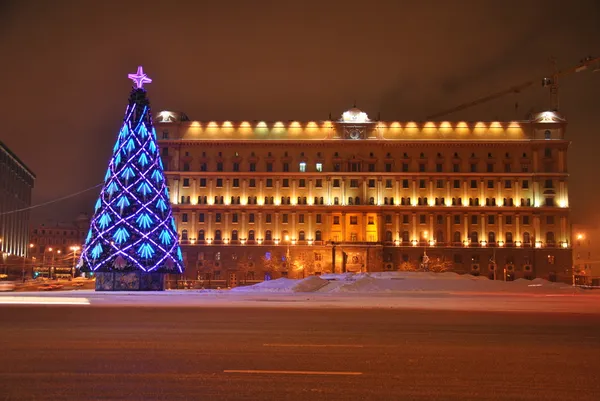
64	83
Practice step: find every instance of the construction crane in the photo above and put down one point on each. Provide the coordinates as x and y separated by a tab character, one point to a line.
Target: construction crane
547	82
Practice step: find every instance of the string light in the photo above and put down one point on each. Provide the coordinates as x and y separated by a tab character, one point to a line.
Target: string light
133	227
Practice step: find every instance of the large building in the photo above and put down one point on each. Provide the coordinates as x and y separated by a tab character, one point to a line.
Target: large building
16	184
258	199
55	246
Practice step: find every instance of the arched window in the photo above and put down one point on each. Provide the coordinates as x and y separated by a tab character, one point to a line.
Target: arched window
184	235
268	235
283	200
474	237
492	237
549	237
388	236
476	201
385	200
234	235
350	200
526	238
251	235
509	238
471	202
336	201
405	236
391	200
371	201
453	201
318	236
321	200
316	201
439	236
218	235
357	201
201	235
456	237
301	236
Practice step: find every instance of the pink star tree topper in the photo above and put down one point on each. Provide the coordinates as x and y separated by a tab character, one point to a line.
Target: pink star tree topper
139	78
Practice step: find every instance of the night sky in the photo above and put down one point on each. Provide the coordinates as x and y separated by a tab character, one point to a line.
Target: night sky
65	64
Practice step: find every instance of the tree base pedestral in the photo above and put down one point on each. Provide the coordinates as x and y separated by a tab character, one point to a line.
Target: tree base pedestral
130	281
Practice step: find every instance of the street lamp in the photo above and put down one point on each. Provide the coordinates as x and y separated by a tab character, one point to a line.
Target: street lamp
287	255
75	249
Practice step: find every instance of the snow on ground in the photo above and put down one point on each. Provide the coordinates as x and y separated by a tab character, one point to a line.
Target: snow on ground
394	282
387	290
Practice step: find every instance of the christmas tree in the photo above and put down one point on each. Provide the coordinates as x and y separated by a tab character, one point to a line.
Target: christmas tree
132	241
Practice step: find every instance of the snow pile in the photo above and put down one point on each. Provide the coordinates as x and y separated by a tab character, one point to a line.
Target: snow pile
397	282
309	284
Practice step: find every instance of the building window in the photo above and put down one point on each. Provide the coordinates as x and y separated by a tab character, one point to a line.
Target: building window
388	167
473	167
491	219
353	220
268	217
286	183
236	166
336	219
201	217
422	184
456	184
473	184
236	182
319	167
218	217
405	167
319	183
319	219
184	217
549	219
388	184
269	167
286	167
336	183
526	220
302	167
284	218
405	184
186	182
269	183
371	220
456	168
219	183
353	183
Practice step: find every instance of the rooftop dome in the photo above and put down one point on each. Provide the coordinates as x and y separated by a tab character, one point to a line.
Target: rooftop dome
355	115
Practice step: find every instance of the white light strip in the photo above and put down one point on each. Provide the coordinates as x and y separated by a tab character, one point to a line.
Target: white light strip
43	301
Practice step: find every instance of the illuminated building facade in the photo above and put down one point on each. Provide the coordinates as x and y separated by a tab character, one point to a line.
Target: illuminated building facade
16	184
586	253
264	199
55	246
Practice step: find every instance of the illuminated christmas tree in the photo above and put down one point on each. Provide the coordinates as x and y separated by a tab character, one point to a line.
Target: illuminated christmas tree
133	240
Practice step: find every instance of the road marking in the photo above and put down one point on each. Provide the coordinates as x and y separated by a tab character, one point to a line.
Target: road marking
315	345
294	372
11	300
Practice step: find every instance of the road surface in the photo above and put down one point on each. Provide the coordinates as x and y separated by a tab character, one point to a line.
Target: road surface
136	353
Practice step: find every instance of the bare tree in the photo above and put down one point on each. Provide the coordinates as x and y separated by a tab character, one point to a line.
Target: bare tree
408	266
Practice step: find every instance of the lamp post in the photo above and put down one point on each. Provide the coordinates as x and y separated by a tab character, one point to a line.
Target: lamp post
287	254
75	249
24	261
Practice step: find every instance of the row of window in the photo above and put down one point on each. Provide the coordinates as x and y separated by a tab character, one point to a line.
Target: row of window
424	238
371	183
404	201
388	218
355	165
